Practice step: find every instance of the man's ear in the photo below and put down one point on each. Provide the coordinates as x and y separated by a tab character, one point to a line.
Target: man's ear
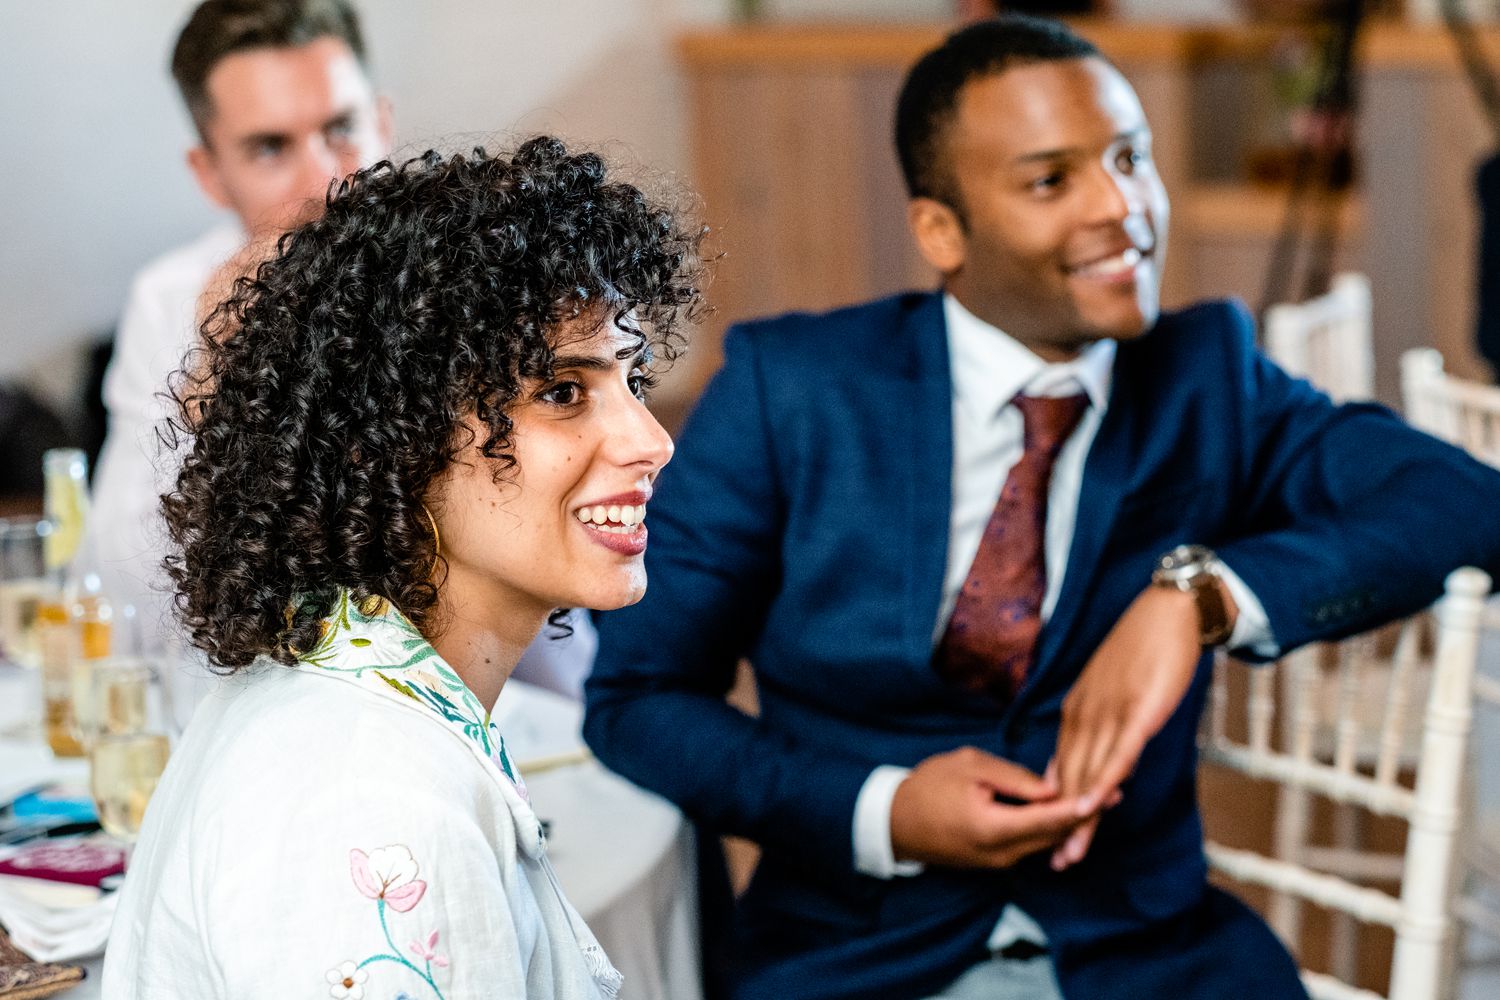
206	173
939	234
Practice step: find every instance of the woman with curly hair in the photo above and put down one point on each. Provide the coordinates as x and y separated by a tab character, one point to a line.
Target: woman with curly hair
422	435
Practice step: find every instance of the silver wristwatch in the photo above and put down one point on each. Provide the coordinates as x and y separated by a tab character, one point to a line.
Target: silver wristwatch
1194	569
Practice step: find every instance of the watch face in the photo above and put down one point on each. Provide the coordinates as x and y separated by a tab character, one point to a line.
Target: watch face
1185	561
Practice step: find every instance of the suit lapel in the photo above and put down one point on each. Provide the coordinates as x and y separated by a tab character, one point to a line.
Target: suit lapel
1107	473
929	485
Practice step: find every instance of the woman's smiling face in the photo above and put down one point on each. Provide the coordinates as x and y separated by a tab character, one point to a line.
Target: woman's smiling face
564	526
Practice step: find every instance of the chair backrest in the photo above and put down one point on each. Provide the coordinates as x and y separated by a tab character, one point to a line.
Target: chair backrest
1327	340
1457	410
1345	774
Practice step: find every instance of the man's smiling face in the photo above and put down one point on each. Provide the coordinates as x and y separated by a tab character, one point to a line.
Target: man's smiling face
1063	213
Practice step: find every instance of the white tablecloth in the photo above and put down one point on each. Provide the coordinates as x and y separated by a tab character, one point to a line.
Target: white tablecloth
625	856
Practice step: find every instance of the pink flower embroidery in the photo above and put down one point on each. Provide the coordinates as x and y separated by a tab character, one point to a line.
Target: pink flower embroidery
427	952
388	873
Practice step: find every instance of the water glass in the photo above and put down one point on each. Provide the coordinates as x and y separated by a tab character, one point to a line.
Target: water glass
25	584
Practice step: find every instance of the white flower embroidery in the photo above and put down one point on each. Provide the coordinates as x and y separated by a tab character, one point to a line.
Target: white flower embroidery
347	982
388	873
393	866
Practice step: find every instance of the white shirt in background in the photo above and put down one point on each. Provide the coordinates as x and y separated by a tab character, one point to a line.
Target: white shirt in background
156	331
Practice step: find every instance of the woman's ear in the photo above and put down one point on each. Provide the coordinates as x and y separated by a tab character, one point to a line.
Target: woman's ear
939	234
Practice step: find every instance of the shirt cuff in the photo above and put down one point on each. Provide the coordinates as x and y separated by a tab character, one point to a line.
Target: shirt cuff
1252	627
873	854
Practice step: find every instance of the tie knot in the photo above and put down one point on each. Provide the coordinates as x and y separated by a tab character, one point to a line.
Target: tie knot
1050	419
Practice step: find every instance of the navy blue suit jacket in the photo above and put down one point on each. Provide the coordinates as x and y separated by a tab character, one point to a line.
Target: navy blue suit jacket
804	524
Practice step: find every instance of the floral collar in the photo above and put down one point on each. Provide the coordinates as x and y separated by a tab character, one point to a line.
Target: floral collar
373	644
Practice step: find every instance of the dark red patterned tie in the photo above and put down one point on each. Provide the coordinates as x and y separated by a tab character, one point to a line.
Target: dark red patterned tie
991	637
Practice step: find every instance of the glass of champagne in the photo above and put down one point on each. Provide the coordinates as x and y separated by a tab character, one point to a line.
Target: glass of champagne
123	772
130	744
111	697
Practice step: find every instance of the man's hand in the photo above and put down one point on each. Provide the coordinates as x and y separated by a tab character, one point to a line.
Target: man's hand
946	812
1132	684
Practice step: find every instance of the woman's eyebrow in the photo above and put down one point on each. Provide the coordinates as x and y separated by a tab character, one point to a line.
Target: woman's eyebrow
586	362
596	362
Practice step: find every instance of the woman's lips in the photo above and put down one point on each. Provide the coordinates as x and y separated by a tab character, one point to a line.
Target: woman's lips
628	542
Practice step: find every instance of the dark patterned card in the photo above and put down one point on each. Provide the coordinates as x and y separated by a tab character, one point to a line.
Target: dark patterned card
81	862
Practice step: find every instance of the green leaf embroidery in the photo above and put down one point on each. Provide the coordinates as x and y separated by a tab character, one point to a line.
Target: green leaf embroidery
426	678
404	689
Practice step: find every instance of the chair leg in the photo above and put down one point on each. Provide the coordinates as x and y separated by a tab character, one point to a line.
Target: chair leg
1291	830
1343	937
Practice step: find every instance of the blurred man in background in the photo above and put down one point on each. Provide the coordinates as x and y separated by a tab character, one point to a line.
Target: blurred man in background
283	105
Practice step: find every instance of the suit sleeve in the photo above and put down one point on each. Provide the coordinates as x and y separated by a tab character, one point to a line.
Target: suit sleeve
655	701
1351	517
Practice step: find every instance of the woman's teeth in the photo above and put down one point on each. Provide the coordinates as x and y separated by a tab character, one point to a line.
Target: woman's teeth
616	519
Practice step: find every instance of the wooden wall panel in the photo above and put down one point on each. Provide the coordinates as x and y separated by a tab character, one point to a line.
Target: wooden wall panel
1460	139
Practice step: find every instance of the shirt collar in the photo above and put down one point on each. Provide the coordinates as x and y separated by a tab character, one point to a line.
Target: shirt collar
990	367
374	645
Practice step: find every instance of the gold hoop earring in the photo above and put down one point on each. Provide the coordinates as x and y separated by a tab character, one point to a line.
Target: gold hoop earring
437	541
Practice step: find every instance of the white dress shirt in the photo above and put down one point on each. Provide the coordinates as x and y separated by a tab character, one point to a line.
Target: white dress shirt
989	369
156	331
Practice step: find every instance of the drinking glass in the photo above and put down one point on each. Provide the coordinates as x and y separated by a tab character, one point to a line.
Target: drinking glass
25	584
123	772
129	726
112	697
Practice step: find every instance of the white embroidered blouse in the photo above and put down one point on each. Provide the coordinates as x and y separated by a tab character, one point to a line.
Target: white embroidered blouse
350	827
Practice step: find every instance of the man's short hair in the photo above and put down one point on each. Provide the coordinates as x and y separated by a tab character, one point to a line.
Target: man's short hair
929	97
220	28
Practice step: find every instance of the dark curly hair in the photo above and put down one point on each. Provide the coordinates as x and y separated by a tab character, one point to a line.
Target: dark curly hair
425	294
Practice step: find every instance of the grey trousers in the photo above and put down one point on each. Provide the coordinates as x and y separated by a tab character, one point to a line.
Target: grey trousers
1005	979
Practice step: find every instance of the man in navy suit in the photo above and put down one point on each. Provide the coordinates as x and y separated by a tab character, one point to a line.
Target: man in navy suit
977	544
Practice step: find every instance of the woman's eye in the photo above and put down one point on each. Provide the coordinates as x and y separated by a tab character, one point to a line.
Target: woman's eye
641	384
562	394
1129	159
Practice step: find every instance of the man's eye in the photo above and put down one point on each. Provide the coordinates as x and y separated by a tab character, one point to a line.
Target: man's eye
562	394
1048	182
339	131
1129	159
268	149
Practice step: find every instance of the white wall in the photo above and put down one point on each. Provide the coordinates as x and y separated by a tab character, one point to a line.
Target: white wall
92	180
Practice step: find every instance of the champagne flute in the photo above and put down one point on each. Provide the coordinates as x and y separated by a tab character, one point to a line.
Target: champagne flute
130	745
123	772
111	697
